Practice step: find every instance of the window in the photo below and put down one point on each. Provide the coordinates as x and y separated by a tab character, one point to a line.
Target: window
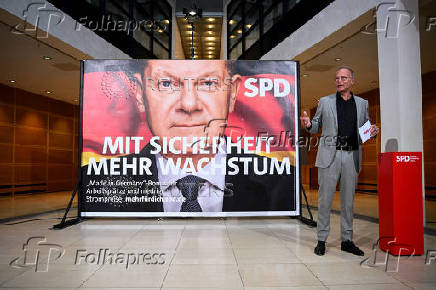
273	16
142	29
256	26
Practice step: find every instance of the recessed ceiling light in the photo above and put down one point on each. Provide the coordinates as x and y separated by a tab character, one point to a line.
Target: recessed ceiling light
210	32
232	36
12	81
46	57
48	92
210	19
305	75
338	59
248	25
231	21
239	31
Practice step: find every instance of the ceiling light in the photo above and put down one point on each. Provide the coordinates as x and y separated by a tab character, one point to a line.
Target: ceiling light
239	31
12	81
210	26
48	92
45	57
210	48
248	26
305	75
166	21
210	43
232	36
338	59
210	56
210	52
210	38
210	32
210	19
193	13
231	22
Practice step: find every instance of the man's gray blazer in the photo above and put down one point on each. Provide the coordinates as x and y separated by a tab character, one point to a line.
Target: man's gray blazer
326	119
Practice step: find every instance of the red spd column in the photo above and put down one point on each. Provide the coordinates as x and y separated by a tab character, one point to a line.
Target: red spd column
401	229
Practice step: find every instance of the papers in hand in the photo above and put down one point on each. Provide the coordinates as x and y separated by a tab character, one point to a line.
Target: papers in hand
364	131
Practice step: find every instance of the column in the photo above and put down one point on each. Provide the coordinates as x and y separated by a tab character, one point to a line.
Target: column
400	77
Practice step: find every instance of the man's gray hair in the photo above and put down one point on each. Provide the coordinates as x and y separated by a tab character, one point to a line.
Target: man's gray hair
347	68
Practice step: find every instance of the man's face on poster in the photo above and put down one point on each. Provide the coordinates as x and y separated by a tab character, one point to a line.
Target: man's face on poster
188	98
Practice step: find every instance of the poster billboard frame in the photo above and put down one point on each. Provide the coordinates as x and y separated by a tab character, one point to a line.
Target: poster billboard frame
126	214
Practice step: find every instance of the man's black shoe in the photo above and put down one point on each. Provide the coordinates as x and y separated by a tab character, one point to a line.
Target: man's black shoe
350	247
320	248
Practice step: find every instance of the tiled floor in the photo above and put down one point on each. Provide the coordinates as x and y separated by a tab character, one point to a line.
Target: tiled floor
365	204
250	253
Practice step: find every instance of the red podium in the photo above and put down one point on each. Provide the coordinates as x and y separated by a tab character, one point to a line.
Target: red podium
401	228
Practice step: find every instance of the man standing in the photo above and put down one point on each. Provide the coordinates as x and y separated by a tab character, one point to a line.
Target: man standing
339	155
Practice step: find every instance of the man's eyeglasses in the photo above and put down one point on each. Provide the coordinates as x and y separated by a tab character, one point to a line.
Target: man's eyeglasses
342	78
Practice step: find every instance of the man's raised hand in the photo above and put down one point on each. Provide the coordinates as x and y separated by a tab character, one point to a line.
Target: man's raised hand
305	120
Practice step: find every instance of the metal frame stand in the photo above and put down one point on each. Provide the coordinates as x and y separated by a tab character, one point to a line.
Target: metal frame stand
64	222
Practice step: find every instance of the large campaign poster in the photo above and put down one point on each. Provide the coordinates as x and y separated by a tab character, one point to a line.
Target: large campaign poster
189	138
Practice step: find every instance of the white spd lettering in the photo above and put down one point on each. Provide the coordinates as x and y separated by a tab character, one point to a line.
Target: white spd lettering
280	87
403	158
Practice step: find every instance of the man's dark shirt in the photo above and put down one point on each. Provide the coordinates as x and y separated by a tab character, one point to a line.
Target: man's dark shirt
347	122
